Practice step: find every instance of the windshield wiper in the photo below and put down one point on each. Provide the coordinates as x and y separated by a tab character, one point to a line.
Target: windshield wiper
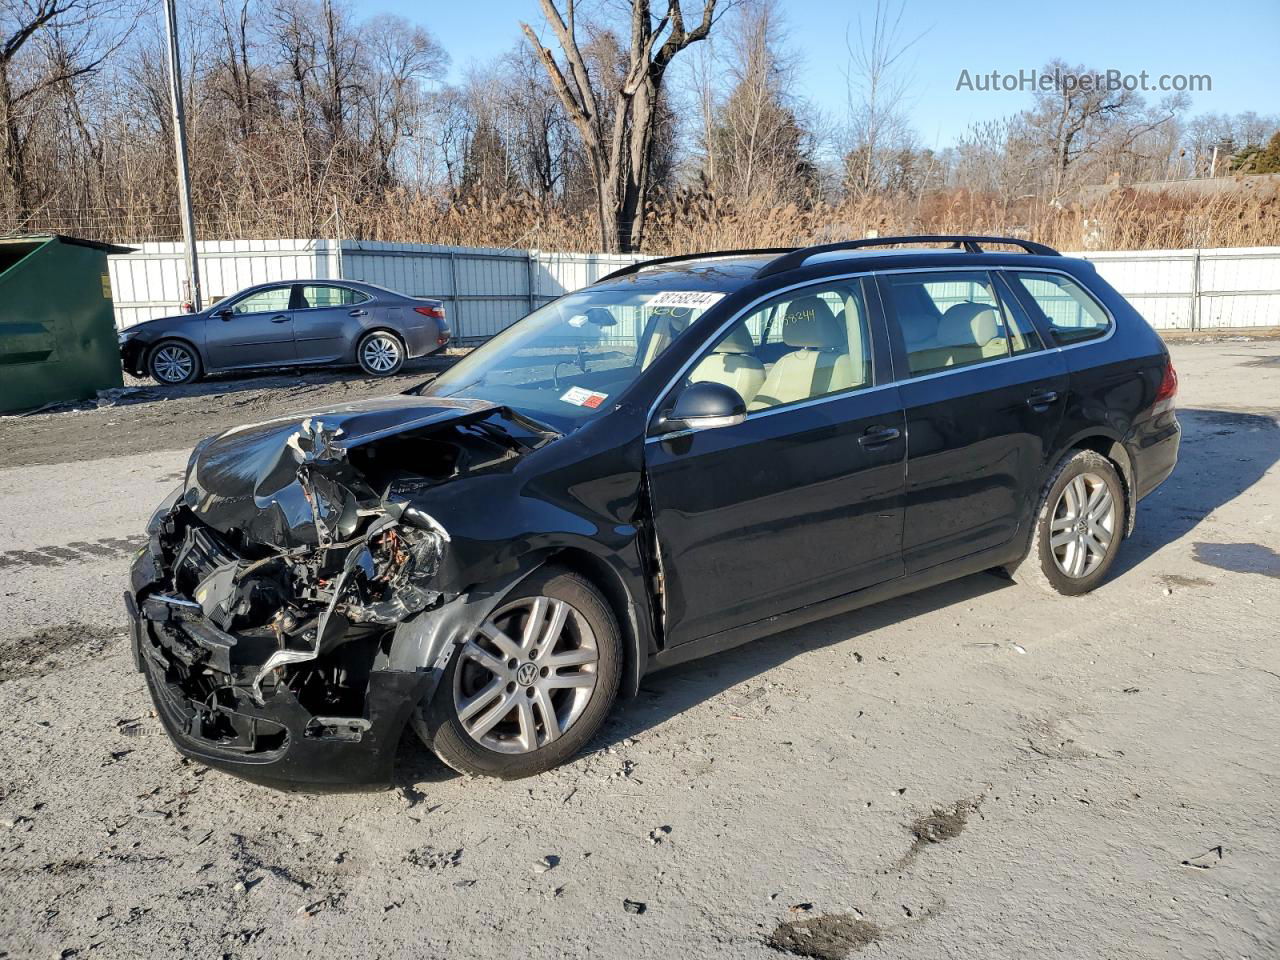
545	432
416	390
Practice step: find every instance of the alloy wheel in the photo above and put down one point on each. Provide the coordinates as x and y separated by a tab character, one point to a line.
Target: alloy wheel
526	676
381	353
1083	525
173	364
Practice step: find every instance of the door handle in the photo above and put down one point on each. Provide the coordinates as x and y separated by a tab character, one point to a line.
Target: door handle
879	436
358	313
280	318
1040	402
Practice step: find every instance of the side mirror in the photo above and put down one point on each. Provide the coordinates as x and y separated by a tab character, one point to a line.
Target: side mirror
705	406
223	314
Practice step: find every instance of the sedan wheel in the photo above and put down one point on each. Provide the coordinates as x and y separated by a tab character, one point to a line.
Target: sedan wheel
174	363
532	685
381	354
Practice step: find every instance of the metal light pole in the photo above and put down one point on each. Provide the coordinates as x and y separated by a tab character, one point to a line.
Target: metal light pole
180	148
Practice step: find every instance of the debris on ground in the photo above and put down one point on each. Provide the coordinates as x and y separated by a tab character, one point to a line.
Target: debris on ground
1205	861
829	937
434	859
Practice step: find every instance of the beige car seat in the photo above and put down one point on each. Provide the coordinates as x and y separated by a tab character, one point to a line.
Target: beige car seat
820	362
967	333
734	363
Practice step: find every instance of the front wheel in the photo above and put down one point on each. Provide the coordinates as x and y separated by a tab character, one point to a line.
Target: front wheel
1079	526
380	353
173	362
533	685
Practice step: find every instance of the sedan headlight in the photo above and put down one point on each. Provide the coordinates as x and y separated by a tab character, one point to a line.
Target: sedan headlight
125	335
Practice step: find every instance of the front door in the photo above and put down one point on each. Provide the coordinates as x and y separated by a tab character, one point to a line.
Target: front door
983	401
253	330
802	501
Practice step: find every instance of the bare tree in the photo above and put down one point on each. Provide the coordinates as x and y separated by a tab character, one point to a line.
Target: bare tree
46	45
618	137
877	85
757	148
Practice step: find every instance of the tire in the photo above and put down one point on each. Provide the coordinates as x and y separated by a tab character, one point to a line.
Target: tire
380	353
173	362
471	690
1080	563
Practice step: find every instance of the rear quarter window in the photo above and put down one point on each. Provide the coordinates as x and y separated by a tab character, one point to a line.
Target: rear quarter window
1067	309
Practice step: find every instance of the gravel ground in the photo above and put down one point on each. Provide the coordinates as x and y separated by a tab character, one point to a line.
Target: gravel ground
974	771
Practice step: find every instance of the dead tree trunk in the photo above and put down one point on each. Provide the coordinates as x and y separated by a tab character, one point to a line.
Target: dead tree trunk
620	156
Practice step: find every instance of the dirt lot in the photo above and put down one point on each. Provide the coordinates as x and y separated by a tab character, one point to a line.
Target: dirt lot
975	771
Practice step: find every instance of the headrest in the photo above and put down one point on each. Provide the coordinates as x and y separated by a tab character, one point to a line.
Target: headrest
918	329
968	323
738	341
809	322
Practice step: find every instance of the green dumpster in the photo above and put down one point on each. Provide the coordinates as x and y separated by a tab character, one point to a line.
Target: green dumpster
57	329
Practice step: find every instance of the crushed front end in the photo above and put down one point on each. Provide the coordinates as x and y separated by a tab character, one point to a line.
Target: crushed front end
265	606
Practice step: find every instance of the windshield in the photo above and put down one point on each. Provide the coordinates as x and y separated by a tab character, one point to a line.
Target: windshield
573	358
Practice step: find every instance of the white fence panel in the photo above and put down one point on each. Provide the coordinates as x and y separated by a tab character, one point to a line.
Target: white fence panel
486	290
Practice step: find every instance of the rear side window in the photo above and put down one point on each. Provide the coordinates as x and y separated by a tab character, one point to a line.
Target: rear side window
1068	310
317	295
953	320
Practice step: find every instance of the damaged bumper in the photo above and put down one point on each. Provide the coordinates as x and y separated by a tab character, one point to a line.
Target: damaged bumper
295	603
201	680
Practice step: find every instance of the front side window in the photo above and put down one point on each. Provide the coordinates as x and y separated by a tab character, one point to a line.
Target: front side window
953	319
324	295
803	345
271	300
573	358
1071	313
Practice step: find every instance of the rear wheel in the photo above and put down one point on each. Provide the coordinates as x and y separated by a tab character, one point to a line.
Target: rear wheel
1079	526
533	685
380	353
173	362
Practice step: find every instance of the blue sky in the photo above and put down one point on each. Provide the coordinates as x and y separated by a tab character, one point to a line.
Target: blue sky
1235	43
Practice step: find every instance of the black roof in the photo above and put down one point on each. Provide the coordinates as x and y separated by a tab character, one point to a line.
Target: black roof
727	273
730	270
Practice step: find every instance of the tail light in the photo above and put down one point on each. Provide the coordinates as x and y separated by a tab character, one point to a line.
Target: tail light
1168	389
435	313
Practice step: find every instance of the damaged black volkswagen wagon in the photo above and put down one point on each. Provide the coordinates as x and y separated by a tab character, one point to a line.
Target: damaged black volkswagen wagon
689	454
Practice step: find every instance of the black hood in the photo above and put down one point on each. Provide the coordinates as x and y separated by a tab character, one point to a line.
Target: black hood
285	482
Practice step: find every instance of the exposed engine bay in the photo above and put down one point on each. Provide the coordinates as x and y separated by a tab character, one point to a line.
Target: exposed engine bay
268	596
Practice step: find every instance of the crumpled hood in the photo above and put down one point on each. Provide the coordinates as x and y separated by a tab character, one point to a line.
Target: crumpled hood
248	478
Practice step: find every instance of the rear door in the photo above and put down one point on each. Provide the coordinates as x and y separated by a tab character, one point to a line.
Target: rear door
255	329
802	501
326	320
983	400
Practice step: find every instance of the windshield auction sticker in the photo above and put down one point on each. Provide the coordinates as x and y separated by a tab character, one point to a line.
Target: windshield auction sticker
693	299
581	397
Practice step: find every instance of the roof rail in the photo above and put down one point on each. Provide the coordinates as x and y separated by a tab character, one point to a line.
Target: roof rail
970	244
659	261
